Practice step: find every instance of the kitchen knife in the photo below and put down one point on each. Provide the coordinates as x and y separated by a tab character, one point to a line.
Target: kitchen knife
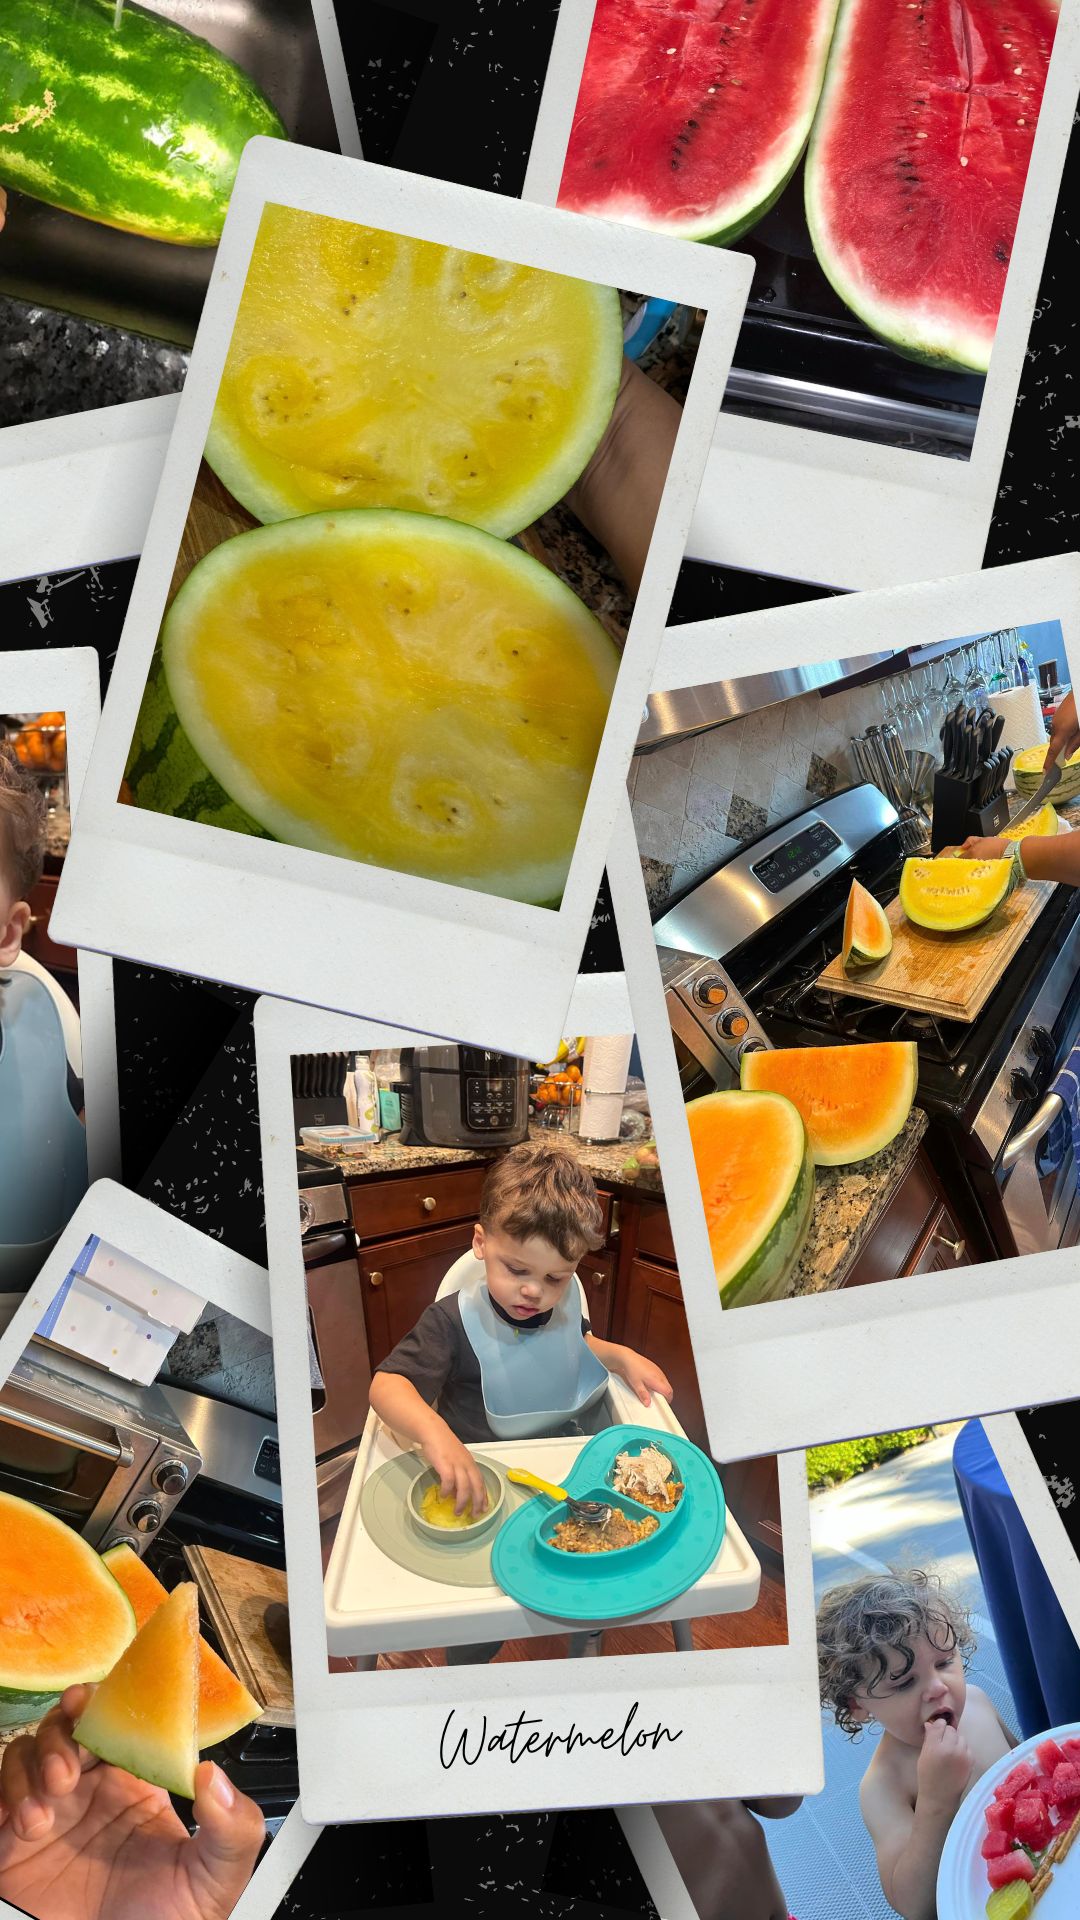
1039	797
999	728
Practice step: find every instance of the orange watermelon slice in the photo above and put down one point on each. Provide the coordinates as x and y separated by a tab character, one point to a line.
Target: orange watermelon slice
63	1618
867	933
143	1717
853	1100
224	1704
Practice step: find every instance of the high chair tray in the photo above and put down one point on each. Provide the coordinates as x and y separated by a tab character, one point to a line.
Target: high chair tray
610	1585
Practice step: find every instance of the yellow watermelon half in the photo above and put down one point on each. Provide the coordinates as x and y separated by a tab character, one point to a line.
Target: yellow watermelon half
143	1716
224	1704
370	369
954	895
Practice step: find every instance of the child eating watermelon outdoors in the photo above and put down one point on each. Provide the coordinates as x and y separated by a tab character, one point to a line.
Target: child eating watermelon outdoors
894	1649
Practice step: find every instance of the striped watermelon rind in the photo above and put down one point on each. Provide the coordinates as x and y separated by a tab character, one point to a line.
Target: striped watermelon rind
138	126
164	774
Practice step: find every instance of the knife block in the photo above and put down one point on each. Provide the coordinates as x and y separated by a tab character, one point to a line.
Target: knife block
956	815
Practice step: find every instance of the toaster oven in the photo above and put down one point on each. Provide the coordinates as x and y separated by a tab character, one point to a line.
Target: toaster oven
108	1457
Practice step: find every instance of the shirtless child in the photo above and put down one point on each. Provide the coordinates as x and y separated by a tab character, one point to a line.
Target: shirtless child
894	1649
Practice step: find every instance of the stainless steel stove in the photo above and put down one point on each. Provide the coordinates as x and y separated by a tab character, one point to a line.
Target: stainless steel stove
768	921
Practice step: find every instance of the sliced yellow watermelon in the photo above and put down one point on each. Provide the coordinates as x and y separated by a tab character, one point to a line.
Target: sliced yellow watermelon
1045	824
396	689
756	1176
853	1100
224	1704
1027	769
867	933
368	369
953	895
63	1617
143	1716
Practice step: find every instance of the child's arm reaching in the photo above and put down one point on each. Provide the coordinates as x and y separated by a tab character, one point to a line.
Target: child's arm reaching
909	1840
396	1401
642	1376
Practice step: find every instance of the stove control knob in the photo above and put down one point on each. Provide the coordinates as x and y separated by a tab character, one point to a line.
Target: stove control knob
751	1046
146	1516
1041	1043
171	1477
733	1024
711	991
1022	1086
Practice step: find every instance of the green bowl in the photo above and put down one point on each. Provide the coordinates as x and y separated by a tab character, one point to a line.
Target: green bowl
496	1487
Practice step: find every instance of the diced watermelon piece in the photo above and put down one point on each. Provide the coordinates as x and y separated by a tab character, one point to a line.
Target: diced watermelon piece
1066	1812
1001	1816
1022	1779
1070	1750
1034	1827
1065	1784
1012	1866
994	1845
1049	1755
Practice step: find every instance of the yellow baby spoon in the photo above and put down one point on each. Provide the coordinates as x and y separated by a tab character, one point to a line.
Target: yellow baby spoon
594	1513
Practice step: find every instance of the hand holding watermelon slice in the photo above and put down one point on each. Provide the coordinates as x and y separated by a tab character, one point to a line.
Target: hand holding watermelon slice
81	1840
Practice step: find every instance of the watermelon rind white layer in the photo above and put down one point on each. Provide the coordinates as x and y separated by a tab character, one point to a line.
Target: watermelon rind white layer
924	334
729	219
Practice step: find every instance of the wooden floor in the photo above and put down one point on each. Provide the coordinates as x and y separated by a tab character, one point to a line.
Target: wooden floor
764	1626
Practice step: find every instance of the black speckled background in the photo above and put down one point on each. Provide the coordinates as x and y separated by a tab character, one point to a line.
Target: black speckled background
449	87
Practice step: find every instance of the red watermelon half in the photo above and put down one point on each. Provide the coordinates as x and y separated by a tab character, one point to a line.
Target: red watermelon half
692	114
917	163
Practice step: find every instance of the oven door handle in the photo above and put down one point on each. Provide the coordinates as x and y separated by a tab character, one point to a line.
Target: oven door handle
1028	1137
114	1450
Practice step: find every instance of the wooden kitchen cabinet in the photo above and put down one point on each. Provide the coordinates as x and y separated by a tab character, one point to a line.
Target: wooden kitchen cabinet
651	1318
38	942
399	1278
752	1491
917	1233
597	1275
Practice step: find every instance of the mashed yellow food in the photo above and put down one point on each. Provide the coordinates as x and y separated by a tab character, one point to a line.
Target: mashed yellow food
438	1510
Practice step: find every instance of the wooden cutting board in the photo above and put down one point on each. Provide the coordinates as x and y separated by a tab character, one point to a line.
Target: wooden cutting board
948	974
213	516
249	1606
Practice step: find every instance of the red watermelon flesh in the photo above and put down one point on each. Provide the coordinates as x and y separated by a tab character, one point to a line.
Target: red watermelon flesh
1001	1816
995	1845
1049	1755
692	114
1070	1750
1034	1827
1065	1784
1011	1866
1021	1779
917	164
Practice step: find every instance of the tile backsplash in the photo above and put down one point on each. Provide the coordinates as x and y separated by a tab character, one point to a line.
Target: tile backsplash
695	801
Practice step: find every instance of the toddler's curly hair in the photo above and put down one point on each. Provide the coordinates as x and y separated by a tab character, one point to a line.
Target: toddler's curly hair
859	1625
540	1188
22	825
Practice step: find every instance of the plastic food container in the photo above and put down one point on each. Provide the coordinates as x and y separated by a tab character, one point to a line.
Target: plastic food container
496	1487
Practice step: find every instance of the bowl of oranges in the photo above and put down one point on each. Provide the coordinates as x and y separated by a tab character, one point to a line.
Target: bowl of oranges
41	743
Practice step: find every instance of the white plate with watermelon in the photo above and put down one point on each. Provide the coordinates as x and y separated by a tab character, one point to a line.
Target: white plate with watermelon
963	1884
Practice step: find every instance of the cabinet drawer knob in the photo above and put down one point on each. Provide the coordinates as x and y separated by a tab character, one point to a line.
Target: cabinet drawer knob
429	1204
375	1279
956	1247
598	1279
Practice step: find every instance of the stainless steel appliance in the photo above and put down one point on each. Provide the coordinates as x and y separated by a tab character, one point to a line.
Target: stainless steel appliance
711	1024
772	916
463	1097
110	1458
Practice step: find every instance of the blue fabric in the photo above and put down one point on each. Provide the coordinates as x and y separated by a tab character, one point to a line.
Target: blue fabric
1038	1652
1054	1146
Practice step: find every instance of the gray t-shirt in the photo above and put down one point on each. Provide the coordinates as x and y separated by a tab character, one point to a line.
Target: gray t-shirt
438	1358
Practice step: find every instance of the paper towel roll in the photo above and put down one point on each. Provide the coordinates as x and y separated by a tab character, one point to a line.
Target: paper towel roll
1024	726
603	1073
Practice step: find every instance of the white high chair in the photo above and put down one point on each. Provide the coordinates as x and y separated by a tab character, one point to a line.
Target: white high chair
372	1605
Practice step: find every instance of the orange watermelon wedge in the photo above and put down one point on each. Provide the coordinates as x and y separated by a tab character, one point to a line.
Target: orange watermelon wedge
143	1716
224	1705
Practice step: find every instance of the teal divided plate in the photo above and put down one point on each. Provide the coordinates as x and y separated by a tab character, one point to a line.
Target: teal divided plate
626	1580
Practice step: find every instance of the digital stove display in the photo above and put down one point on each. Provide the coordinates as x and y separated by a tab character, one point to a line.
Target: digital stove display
489	1103
797	856
268	1462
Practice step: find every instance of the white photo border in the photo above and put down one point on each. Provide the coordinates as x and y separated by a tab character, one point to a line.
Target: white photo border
725	1705
799	1372
200	900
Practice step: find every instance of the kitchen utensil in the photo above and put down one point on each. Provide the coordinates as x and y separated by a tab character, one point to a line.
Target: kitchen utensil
997	731
1042	793
633	1580
496	1488
949	975
593	1513
920	768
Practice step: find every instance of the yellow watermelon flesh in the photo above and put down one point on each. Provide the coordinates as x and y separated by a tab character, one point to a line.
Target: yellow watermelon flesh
1045	824
144	1715
954	895
224	1704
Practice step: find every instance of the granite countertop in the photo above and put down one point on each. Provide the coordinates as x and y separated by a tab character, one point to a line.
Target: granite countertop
388	1156
848	1203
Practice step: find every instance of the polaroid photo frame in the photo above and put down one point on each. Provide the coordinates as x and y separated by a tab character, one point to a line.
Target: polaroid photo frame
723	1708
828	1366
822	507
201	900
239	1287
65	679
96	495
